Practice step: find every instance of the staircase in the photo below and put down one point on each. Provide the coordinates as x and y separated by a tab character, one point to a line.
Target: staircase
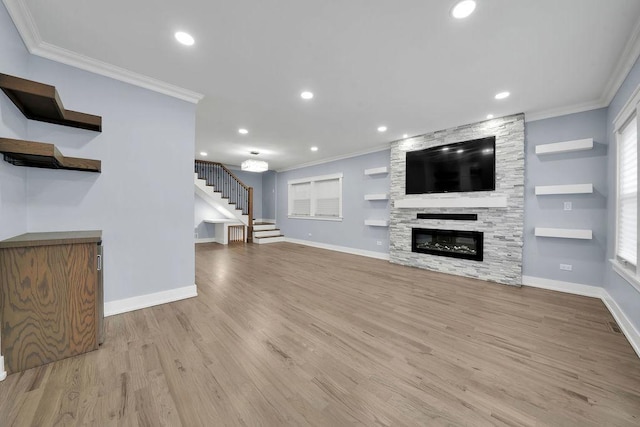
266	232
233	199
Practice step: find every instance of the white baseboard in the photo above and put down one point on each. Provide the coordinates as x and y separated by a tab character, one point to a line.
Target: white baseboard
3	373
568	287
209	240
149	300
623	321
344	249
628	329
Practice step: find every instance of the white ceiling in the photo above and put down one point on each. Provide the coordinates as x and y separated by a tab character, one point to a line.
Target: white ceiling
405	63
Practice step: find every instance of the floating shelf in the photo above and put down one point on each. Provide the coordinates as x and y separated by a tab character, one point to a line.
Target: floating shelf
453	202
543	190
41	102
376	222
41	155
565	147
376	171
564	233
382	196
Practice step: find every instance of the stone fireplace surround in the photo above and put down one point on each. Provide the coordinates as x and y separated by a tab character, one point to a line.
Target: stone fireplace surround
500	213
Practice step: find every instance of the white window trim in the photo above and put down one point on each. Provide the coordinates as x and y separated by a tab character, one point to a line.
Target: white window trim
628	272
311	180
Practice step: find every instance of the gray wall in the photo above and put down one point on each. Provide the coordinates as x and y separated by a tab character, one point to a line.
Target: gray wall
627	297
543	255
269	179
13	180
143	199
203	210
351	231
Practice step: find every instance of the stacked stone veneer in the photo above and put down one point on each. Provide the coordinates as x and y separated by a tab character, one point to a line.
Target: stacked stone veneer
502	227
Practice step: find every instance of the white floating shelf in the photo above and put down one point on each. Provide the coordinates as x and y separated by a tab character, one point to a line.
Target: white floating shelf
382	196
453	202
542	190
376	222
376	171
565	147
564	233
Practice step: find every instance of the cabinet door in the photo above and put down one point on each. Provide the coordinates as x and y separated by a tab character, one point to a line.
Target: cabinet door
47	303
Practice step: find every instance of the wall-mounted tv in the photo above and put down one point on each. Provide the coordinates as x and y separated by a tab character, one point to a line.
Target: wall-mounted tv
462	166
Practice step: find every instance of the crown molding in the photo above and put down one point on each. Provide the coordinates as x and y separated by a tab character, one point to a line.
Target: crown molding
563	111
628	58
23	20
386	146
25	24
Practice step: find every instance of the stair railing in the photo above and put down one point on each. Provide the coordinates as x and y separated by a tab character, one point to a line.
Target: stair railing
230	187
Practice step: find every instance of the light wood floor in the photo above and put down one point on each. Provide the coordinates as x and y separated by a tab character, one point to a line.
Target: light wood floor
284	334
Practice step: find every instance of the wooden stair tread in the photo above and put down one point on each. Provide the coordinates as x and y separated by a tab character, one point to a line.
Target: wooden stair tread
269	237
38	101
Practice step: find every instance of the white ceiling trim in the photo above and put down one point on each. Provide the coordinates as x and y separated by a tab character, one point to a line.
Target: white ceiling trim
563	111
628	58
25	24
386	146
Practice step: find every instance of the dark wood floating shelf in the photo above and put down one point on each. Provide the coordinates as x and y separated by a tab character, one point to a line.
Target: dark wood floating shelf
42	155
41	102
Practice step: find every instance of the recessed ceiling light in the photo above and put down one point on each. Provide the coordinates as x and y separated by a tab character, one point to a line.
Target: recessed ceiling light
184	38
382	129
405	136
489	116
203	153
460	150
502	95
314	148
243	131
463	9
306	95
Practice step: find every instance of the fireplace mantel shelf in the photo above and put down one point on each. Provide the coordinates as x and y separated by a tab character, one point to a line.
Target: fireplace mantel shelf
452	202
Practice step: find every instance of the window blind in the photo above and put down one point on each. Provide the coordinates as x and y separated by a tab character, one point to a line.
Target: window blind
301	199
628	193
327	197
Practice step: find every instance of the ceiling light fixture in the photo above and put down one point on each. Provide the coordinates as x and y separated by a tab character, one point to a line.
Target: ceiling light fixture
405	136
306	95
502	95
243	131
463	9
184	38
382	129
251	165
489	116
314	148
203	153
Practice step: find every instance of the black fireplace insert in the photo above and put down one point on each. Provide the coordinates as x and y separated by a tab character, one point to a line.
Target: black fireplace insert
451	243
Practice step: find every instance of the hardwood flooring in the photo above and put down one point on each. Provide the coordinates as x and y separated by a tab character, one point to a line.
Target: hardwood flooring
284	334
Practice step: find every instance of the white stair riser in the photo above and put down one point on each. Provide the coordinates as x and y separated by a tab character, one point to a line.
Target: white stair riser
264	227
269	240
267	233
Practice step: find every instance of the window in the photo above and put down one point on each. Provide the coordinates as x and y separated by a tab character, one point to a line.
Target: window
316	198
626	251
627	233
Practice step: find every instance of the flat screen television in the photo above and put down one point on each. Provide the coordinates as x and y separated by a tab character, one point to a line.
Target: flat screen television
459	167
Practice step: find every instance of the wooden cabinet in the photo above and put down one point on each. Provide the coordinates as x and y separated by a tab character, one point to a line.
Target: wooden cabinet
51	303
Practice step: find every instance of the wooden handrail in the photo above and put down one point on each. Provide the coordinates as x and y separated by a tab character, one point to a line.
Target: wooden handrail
225	182
226	170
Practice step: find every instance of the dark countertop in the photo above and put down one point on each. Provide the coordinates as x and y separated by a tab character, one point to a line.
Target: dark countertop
52	238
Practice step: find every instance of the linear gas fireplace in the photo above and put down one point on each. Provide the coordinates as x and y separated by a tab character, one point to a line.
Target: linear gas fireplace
451	243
